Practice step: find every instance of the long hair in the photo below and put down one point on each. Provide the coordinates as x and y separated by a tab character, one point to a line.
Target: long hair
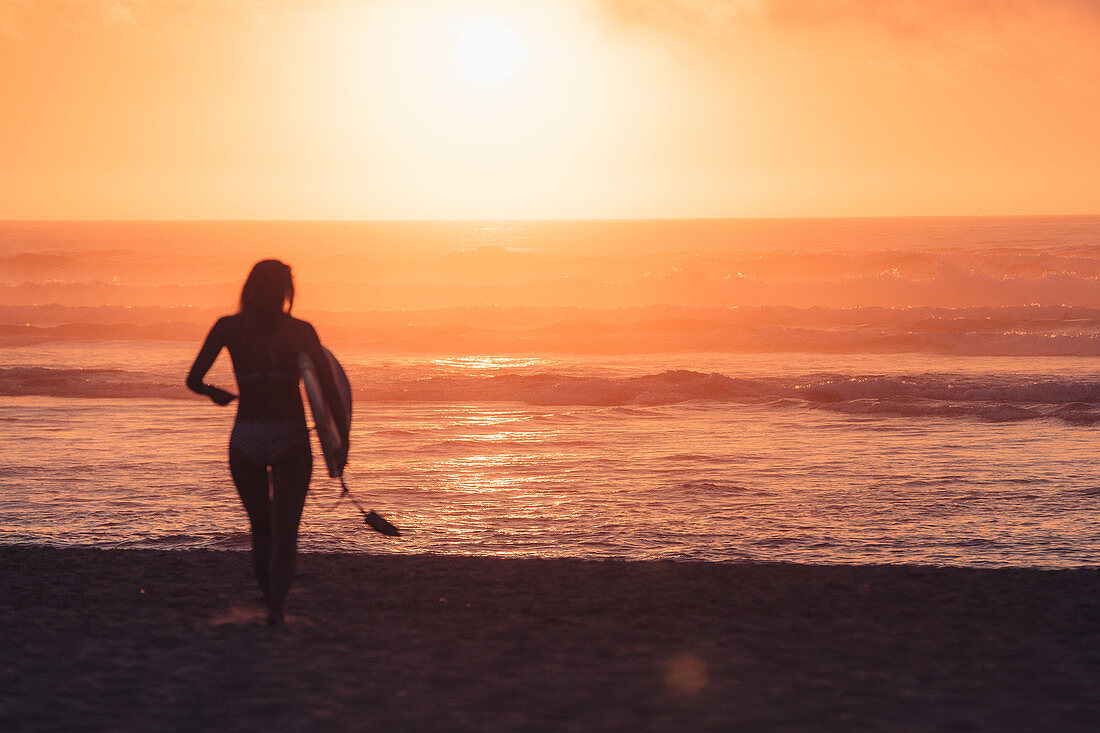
268	288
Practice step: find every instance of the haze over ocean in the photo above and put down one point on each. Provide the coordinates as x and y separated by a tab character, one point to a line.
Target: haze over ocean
852	391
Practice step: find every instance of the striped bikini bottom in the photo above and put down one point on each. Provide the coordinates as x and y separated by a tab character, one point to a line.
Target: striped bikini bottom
268	443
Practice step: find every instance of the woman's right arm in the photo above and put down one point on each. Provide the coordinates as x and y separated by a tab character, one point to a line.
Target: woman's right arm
215	340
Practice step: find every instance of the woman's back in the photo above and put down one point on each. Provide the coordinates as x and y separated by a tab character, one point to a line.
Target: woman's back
266	365
265	361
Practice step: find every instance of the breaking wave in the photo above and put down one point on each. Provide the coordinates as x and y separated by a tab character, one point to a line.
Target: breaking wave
91	382
1001	398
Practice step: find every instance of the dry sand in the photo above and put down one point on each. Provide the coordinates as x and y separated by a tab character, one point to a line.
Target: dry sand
144	640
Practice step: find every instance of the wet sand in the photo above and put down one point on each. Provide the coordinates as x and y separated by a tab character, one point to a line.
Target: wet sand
148	640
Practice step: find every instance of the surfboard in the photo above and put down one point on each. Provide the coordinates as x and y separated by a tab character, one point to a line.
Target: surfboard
331	436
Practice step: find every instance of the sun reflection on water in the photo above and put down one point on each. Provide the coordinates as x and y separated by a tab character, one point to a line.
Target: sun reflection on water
487	363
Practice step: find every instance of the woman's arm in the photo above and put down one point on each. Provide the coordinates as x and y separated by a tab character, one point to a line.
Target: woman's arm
215	340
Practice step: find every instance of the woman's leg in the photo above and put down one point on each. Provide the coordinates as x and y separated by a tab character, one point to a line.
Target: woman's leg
290	482
253	486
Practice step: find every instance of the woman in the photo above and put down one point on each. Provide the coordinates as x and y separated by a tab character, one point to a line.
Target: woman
264	342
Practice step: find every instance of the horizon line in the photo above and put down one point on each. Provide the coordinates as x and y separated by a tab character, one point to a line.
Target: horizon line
873	217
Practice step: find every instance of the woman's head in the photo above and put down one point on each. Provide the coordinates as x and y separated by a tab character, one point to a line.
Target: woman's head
267	290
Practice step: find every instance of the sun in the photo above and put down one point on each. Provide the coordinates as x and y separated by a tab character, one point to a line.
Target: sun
488	50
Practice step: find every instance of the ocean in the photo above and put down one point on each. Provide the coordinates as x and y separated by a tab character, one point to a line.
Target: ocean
819	391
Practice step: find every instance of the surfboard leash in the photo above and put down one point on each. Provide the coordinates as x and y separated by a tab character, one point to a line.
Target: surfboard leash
370	517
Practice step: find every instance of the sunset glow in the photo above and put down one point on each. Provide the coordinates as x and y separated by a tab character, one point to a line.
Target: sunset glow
538	109
488	51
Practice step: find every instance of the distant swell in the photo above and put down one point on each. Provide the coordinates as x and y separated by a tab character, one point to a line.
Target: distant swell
1027	330
706	333
997	399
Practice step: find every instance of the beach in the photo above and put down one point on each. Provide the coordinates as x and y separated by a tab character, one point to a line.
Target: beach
162	640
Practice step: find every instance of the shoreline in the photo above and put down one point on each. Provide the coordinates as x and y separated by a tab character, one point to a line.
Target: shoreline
427	555
155	639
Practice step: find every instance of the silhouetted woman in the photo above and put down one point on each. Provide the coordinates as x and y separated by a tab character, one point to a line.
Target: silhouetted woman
270	432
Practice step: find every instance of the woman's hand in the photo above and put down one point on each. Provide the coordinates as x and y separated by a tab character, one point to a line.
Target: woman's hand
219	396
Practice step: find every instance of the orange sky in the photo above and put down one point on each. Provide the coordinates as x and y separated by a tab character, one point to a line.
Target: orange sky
615	108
